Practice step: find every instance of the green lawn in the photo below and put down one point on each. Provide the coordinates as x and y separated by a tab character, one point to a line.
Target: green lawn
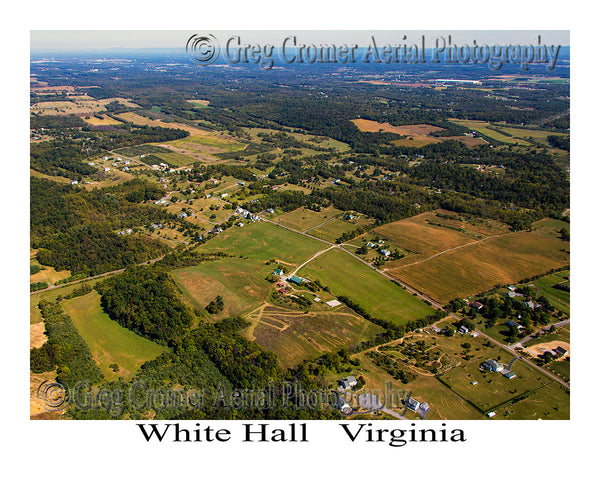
333	230
382	298
108	341
558	298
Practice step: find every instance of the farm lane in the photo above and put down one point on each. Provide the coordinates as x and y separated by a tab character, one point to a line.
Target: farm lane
321	224
312	258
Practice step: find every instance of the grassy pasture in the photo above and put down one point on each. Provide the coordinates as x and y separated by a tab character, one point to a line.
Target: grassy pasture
484	128
208	143
240	282
48	274
540	136
77	106
51	295
101	121
295	336
551	402
108	341
333	230
264	241
493	389
302	219
443	403
141	120
379	296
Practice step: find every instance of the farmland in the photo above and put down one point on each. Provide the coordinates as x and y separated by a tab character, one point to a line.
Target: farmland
108	341
295	335
493	389
77	106
264	241
304	219
416	135
479	266
241	283
376	294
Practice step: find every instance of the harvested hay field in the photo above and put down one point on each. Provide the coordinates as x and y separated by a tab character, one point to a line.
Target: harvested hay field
477	267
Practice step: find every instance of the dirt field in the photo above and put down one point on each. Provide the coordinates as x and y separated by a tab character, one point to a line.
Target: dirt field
36	408
36	335
539	349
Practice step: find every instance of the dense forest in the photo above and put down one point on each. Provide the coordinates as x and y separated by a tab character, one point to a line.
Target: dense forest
74	229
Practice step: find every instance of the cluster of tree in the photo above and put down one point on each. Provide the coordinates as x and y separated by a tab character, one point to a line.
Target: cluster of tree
560	141
216	306
33	269
34	287
145	300
79	291
392	366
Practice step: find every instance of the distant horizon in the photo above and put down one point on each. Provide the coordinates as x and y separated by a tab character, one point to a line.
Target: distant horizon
111	40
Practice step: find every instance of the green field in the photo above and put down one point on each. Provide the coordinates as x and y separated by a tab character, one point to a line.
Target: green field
333	230
108	341
483	128
382	298
264	241
539	136
51	295
551	402
558	298
196	143
444	403
240	282
176	159
303	219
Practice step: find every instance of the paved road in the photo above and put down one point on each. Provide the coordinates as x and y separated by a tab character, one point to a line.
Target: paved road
530	337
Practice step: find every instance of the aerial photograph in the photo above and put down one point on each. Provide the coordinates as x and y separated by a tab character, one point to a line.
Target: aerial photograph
300	225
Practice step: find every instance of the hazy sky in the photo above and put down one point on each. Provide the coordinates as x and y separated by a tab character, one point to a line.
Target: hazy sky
105	39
